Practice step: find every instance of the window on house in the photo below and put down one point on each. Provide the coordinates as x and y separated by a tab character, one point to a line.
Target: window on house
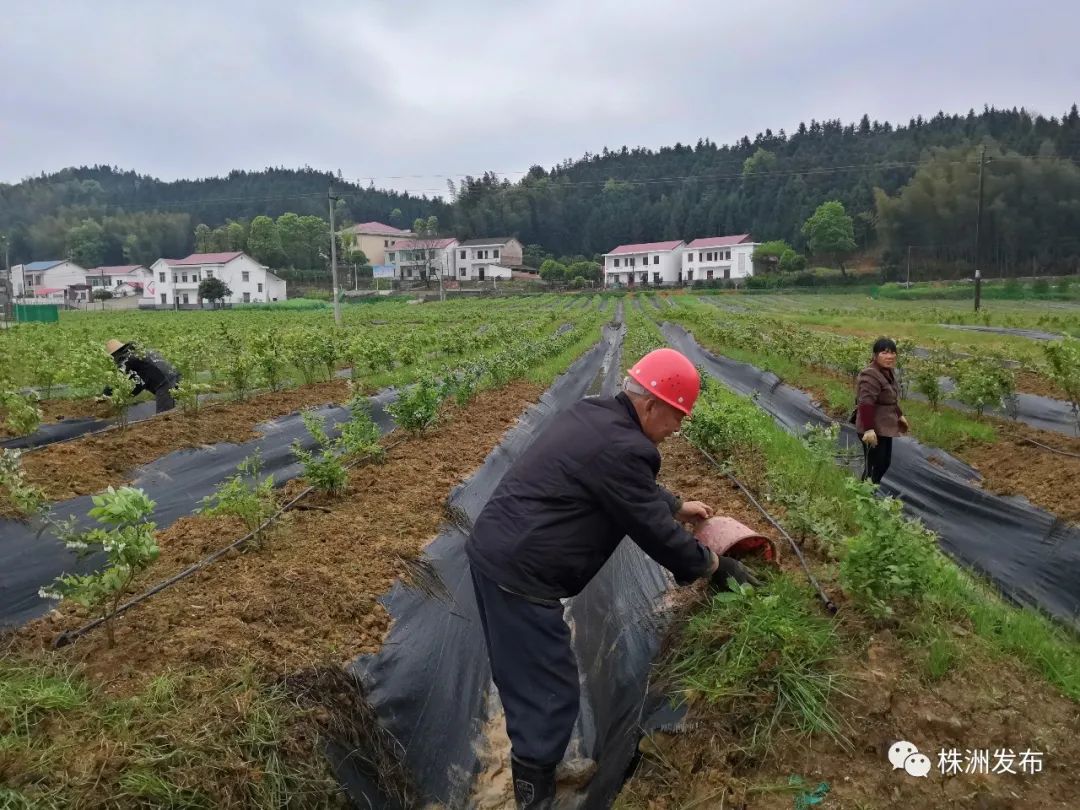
164	298
245	276
195	277
185	298
463	254
209	273
631	262
709	274
690	257
689	275
247	298
727	272
260	287
386	243
496	255
656	278
656	260
616	262
644	278
183	277
175	278
463	271
390	257
727	255
161	277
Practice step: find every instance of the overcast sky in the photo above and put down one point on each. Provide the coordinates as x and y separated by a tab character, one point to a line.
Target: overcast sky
407	91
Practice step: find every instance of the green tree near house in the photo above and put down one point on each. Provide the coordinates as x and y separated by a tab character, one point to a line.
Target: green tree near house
204	238
767	255
213	290
830	232
552	271
86	243
264	241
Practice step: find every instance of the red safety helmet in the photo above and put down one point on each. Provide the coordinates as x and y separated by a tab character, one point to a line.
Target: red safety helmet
669	376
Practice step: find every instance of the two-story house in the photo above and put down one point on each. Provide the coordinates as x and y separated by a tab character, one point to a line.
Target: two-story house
49	279
648	263
718	257
118	279
412	258
175	282
481	259
375	238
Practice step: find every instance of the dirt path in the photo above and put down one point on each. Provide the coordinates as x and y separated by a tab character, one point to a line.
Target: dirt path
981	702
309	595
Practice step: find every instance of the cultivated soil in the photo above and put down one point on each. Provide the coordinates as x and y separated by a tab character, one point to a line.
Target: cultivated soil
983	702
92	463
308	595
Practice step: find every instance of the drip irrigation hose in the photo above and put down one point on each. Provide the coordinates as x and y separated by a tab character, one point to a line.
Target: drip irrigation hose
830	606
68	636
1051	449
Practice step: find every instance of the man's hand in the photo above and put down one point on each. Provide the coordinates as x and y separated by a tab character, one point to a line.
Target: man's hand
694	512
904	426
870	438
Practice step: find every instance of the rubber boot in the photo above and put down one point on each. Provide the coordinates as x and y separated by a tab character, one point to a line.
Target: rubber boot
534	785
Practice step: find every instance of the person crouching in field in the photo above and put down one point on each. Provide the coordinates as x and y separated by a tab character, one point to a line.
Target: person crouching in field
150	372
878	416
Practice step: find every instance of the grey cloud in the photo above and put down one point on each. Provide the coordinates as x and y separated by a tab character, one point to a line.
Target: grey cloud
381	89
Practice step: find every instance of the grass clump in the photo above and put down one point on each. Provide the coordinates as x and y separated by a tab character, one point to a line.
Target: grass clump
764	656
194	740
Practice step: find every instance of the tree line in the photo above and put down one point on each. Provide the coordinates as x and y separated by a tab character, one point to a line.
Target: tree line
905	187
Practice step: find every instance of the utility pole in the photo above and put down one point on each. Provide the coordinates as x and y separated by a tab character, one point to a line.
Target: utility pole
909	266
978	230
333	255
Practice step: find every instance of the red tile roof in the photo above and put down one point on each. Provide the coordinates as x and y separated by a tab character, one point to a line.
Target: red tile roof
205	258
645	247
379	229
423	244
719	241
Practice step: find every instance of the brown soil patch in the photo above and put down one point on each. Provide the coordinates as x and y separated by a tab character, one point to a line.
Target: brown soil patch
983	702
1031	382
92	463
308	595
1013	466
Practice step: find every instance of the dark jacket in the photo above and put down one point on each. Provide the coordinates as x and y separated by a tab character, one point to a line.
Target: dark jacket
877	399
151	372
561	510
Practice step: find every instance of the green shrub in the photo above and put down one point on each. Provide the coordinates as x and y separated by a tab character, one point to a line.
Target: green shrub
129	543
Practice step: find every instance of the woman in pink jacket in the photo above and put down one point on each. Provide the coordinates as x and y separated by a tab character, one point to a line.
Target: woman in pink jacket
878	416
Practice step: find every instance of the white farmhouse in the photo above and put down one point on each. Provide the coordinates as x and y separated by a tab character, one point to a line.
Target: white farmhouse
119	279
480	259
411	258
175	282
48	279
718	257
648	263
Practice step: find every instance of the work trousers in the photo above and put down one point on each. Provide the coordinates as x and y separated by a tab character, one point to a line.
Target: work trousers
877	459
534	669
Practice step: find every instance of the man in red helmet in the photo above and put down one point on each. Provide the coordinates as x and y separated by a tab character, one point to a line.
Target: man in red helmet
556	516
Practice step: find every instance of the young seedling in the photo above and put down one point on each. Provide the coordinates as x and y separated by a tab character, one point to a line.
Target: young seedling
246	495
127	537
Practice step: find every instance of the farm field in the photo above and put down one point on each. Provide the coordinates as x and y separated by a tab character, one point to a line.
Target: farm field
340	622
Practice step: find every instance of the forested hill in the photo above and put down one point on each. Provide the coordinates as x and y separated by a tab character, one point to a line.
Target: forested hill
38	214
926	171
767	186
